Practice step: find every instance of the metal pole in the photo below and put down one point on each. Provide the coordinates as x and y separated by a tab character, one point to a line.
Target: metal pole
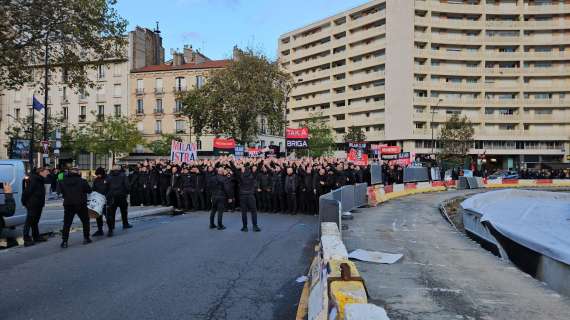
46	84
32	130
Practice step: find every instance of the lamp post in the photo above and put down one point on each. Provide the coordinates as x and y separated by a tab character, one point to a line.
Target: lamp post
433	111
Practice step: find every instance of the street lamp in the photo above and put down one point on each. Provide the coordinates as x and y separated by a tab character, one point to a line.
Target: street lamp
433	112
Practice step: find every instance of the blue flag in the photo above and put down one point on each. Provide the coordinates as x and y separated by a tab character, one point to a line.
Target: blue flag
36	104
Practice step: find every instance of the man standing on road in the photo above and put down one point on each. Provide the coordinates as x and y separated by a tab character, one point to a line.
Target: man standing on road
117	198
220	187
33	198
75	189
100	185
247	179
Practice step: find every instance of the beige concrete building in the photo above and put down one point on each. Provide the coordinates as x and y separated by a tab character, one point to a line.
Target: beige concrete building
109	97
400	68
154	98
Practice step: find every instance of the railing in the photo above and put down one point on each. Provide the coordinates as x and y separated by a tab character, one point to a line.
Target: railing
139	91
333	204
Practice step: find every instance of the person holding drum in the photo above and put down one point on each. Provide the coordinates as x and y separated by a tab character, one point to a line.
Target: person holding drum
100	186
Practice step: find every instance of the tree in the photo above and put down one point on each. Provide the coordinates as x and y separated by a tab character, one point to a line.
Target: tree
455	140
77	34
321	139
161	147
113	136
354	134
235	98
195	103
21	129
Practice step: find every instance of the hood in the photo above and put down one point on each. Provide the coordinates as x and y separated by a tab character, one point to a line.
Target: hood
72	179
115	172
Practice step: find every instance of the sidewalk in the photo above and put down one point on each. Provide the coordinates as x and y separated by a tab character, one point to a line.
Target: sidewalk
443	275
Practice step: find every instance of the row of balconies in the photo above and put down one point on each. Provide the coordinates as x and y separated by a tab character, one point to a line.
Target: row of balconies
465	8
491	24
501	118
158	91
496	71
488	55
497	134
478	102
465	39
442	85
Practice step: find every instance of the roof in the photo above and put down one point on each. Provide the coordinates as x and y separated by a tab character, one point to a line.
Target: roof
212	64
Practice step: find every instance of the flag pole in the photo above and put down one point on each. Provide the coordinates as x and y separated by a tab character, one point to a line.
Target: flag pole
31	156
46	84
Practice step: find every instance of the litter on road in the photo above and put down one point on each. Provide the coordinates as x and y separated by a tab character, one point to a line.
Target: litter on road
375	256
302	279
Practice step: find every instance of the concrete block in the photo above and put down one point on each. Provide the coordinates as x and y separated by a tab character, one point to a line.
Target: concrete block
367	311
329	229
346	292
333	248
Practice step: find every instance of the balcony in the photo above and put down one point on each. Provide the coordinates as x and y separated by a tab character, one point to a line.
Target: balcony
366	77
320	48
139	91
362	21
490	24
546	24
454	8
159	90
455	39
157	131
366	63
158	111
501	118
450	55
502	102
444	70
457	24
503	71
506	87
366	34
369	48
547	9
501	39
490	55
180	131
319	35
140	112
547	55
100	117
82	118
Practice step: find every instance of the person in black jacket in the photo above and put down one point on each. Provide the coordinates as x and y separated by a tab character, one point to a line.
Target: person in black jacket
208	174
220	188
7	209
74	190
163	184
197	188
144	187
154	181
340	178
117	198
100	186
134	192
291	187
307	190
247	179
175	189
33	198
264	186
277	194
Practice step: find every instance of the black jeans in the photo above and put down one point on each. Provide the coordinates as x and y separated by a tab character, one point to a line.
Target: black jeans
32	220
69	213
218	206
100	219
291	203
247	203
197	200
114	203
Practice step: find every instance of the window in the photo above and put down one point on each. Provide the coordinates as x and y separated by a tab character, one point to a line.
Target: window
158	126
100	72
180	126
117	110
158	85
117	90
140	106
64	94
180	84
178	107
158	106
199	82
100	112
65	112
83	110
17	112
199	144
140	86
340	117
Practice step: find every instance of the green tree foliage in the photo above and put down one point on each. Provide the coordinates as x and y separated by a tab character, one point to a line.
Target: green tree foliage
321	138
161	147
114	135
455	140
234	98
195	102
80	34
354	134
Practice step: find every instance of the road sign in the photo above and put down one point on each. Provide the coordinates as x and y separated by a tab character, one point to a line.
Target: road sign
45	147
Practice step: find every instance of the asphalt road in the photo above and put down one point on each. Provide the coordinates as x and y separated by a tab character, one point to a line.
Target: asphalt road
163	268
443	275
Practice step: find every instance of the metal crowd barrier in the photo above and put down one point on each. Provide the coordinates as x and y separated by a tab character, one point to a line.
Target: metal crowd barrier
345	199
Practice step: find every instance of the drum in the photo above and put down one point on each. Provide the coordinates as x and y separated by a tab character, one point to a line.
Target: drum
95	204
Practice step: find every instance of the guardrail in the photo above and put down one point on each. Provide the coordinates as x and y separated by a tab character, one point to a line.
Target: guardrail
333	204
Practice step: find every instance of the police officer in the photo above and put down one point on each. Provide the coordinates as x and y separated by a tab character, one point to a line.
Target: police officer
33	198
74	190
220	189
247	180
117	198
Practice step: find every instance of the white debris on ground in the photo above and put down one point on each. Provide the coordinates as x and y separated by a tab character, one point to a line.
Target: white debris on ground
375	256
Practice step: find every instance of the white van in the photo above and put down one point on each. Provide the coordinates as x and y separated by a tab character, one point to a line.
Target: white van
14	172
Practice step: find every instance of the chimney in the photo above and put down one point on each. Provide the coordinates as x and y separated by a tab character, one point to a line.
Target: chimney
189	55
236	52
177	59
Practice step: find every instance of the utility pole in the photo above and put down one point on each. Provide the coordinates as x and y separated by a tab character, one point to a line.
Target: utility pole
46	84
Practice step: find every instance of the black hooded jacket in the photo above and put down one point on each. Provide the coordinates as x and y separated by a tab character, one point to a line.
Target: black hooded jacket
74	190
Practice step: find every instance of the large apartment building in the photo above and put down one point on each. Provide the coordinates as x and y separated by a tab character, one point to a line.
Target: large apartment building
399	69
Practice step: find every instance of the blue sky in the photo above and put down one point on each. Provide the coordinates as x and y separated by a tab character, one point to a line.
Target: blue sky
215	26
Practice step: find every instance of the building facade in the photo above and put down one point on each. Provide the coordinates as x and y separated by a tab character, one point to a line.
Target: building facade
109	97
155	104
399	69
